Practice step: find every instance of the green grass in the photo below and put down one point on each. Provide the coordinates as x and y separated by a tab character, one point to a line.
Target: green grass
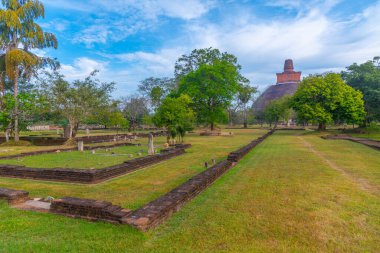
80	160
283	197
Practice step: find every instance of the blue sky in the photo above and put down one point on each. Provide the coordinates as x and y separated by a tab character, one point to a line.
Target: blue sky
129	40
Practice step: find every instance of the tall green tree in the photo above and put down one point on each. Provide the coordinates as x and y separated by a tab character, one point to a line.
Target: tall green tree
135	109
366	78
77	101
176	115
205	56
211	88
19	34
244	96
325	99
277	110
156	89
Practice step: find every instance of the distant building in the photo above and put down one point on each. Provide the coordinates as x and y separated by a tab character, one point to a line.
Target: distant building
287	84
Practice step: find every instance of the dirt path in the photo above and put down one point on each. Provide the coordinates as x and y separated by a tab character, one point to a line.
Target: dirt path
362	183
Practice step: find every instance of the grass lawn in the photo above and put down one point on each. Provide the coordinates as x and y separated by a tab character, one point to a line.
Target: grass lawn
14	150
293	193
80	160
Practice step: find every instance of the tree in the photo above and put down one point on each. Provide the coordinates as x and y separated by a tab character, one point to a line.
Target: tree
156	89
366	78
135	109
324	99
206	56
19	35
276	110
211	88
109	115
244	96
176	115
77	101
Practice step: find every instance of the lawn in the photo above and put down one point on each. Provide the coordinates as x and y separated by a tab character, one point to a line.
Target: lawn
81	160
293	193
15	150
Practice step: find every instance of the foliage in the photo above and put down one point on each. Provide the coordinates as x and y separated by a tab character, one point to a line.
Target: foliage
134	108
244	96
206	56
30	105
156	89
19	34
211	88
366	78
326	99
78	101
277	110
176	115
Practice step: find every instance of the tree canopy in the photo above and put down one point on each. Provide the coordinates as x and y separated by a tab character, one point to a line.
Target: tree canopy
276	110
176	115
77	101
324	99
366	78
211	88
19	34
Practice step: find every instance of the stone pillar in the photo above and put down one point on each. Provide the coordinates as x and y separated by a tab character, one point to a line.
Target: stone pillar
80	146
150	145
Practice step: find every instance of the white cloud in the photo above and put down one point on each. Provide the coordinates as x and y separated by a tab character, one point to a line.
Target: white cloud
82	67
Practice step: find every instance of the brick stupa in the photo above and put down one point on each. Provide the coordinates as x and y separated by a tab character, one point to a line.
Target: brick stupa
287	84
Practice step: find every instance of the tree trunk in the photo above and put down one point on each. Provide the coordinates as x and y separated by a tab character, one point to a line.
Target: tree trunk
322	126
245	119
15	95
212	126
7	135
67	132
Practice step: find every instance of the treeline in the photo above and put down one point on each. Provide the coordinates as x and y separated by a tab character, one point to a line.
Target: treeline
350	97
207	88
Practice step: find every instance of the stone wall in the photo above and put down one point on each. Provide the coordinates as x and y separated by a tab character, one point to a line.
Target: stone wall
90	209
86	175
13	196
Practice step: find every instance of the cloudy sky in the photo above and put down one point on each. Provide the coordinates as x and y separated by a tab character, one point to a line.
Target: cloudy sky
129	40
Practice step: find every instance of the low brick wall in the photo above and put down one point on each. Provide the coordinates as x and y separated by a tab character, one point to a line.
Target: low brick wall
90	209
86	175
368	142
155	212
13	196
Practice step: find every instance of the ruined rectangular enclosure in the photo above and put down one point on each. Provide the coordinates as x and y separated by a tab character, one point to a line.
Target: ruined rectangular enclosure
90	176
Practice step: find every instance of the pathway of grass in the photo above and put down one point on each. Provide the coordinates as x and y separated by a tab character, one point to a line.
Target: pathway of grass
281	198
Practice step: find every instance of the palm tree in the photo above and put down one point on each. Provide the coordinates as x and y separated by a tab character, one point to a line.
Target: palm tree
20	34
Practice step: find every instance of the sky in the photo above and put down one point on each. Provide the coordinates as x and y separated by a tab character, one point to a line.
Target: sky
130	40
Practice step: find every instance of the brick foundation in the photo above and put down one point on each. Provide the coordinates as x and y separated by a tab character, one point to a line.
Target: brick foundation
13	196
90	209
87	175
